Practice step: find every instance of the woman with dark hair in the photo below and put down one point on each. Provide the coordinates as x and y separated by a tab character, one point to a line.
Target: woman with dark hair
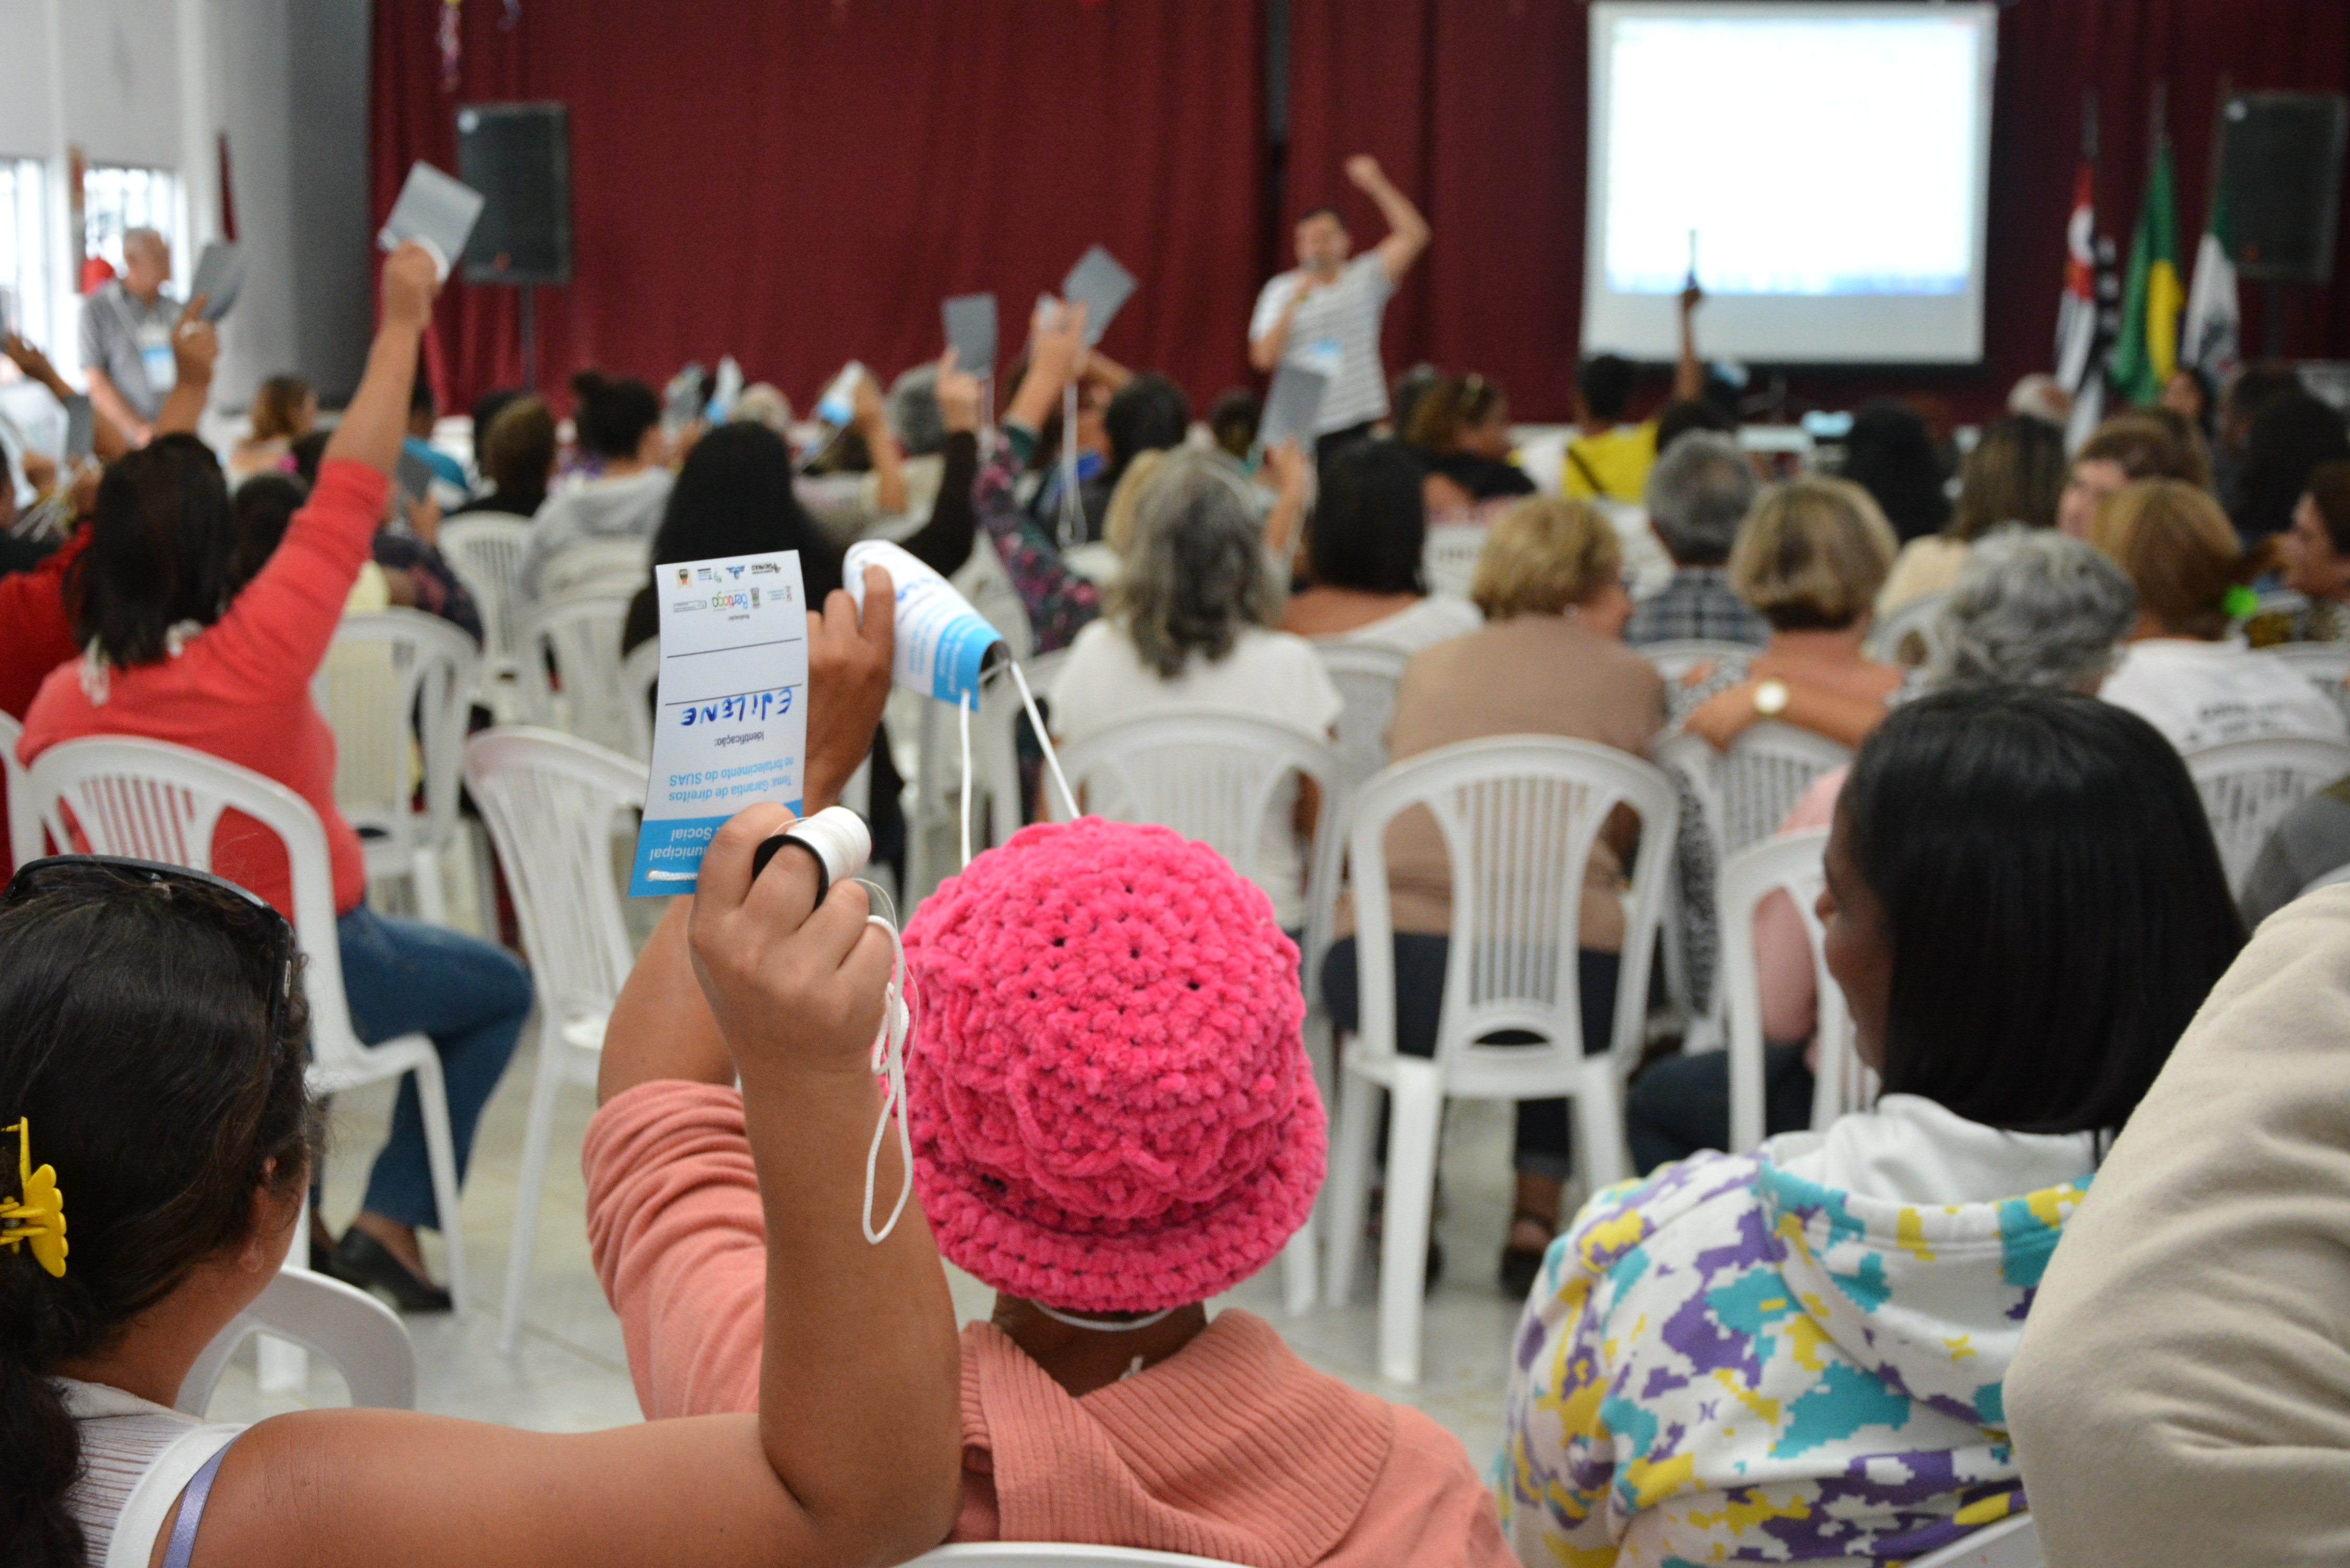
517	451
1462	431
1363	551
1890	454
2014	475
179	645
2024	909
162	1136
618	425
1149	413
2316	554
2288	438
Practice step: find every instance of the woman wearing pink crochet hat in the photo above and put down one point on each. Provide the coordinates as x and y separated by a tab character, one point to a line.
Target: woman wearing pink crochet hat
1113	1120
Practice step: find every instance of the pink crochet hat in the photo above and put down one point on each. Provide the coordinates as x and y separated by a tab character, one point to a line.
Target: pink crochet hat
1112	1108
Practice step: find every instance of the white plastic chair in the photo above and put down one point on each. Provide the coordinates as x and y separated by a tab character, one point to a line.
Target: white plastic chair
1788	863
581	633
392	679
1367	675
1747	791
2249	786
26	839
597	566
161	802
1920	619
1061	1554
365	1339
484	548
550	802
1676	657
640	682
2332	878
2328	664
2012	1542
1449	559
1520	816
1214	776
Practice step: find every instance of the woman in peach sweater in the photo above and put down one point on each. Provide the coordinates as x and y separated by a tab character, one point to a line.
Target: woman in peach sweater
1113	1120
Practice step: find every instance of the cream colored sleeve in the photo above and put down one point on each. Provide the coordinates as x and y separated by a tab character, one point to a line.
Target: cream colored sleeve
2183	1392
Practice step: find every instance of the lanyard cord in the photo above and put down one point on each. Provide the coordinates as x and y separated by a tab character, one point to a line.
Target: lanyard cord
889	1062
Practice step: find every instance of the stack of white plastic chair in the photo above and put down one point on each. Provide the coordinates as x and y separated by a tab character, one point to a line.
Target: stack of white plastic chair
1789	863
580	634
25	835
1216	776
2328	664
484	548
395	685
2249	786
1676	657
1367	675
1519	816
1449	559
1912	635
551	802
153	800
364	1340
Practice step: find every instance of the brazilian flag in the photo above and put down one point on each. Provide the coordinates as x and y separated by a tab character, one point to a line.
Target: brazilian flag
2148	350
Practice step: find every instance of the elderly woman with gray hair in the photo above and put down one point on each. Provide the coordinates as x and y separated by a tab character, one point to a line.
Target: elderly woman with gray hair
2033	607
1188	624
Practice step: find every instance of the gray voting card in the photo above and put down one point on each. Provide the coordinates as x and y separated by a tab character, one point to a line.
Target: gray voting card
1292	405
971	332
1102	286
220	275
81	428
436	211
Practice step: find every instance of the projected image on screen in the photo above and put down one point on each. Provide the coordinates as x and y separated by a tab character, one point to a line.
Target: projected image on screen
1828	162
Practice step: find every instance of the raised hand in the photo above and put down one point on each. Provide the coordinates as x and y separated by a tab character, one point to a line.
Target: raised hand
411	283
959	395
195	345
1364	171
849	683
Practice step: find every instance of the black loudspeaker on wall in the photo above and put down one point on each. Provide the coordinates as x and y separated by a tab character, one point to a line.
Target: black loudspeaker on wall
518	156
2282	159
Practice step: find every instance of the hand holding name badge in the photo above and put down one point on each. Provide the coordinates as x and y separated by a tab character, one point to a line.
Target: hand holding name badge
849	656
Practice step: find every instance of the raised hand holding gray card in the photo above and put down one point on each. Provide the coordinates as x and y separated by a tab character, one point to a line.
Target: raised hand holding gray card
1292	405
436	211
1102	286
220	275
971	332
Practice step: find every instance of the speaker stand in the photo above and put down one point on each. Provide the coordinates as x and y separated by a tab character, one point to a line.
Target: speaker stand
529	339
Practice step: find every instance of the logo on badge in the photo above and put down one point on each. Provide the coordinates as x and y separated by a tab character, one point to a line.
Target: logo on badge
684	576
754	599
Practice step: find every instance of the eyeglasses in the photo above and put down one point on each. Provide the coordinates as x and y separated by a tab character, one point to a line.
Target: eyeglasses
256	917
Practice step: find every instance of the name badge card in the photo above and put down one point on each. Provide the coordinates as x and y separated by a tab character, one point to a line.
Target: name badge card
730	725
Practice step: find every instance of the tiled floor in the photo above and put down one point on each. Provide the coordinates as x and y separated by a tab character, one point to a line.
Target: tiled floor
570	1372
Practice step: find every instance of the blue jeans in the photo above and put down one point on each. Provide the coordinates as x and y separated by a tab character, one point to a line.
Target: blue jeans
404	977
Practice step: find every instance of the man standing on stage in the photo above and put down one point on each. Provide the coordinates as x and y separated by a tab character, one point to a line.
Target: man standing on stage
1327	311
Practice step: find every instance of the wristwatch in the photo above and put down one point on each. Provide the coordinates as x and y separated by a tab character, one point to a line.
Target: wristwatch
1771	699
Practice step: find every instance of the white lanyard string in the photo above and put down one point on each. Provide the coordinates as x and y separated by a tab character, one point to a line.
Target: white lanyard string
1104	1325
888	1061
1073	510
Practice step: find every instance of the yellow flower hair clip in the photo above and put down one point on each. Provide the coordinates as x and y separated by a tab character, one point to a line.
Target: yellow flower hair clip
39	1216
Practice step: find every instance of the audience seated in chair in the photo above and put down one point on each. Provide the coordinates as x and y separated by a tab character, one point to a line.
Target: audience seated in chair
1364	549
1460	429
284	410
1108	1144
1190	625
619	428
2033	609
151	1052
2288	439
2015	474
1799	1353
2184	669
1891	453
1548	661
1699	494
192	636
2127	447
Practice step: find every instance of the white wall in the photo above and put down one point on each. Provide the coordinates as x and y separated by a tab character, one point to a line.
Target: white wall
156	83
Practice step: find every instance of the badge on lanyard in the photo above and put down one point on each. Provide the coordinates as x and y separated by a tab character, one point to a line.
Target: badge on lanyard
155	356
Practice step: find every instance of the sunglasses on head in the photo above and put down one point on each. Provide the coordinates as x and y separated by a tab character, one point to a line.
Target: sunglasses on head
256	916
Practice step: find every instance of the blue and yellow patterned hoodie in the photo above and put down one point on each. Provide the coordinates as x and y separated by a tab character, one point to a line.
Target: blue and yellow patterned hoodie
1731	1362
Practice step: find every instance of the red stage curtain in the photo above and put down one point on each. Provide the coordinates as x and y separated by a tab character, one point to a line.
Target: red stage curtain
1479	110
801	182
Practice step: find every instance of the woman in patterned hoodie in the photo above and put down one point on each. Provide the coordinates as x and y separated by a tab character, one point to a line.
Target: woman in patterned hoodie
1797	1355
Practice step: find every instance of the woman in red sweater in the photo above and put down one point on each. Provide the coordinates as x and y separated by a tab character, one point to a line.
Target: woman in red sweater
176	647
